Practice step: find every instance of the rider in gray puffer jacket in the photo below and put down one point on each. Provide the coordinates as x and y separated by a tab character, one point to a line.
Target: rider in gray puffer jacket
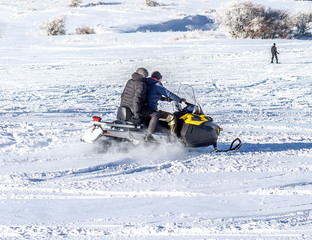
134	94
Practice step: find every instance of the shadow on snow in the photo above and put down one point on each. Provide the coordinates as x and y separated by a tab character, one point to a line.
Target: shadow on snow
121	167
101	4
125	166
189	23
274	147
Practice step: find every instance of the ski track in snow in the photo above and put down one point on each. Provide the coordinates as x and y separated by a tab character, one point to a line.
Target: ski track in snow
261	190
53	186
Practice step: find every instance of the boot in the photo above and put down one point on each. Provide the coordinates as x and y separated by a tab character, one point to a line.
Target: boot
149	137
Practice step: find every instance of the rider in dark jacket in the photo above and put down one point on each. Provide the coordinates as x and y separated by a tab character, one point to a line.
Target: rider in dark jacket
155	92
274	53
134	94
134	98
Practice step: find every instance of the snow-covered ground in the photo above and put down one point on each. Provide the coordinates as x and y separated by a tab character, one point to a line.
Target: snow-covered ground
53	186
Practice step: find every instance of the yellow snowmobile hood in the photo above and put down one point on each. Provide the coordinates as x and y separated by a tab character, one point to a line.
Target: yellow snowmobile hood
194	119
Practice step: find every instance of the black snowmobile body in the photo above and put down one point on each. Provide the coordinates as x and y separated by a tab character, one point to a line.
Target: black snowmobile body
194	129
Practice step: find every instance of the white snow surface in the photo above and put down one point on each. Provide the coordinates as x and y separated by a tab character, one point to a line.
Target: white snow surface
52	186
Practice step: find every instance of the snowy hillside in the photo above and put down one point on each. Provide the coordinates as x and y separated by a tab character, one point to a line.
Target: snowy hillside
53	186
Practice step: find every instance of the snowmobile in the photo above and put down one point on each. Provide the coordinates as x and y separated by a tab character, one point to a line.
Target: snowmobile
194	129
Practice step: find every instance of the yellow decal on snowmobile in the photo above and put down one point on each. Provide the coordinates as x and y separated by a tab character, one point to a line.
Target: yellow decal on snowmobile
194	119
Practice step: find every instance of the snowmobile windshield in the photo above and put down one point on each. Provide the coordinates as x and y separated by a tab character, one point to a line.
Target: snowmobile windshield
187	92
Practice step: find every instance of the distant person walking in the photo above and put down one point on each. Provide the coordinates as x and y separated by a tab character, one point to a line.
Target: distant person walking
274	53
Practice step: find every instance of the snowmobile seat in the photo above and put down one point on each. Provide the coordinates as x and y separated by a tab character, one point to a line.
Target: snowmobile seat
124	114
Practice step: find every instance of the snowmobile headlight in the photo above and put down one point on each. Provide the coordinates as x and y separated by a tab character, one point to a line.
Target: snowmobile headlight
219	130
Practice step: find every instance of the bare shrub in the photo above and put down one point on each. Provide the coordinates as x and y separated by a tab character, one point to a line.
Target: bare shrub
152	3
55	26
302	25
272	24
249	20
75	3
85	30
210	11
235	18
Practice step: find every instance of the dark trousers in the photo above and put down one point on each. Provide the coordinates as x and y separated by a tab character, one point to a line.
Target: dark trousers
153	116
274	55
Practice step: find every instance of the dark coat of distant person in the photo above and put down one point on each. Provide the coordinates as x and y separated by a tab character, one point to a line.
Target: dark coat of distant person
274	53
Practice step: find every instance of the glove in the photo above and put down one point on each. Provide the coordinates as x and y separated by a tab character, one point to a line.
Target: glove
182	100
163	98
136	120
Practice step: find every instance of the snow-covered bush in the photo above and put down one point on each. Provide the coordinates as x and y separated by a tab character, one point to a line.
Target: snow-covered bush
85	30
302	25
152	3
55	26
237	18
249	20
275	24
75	3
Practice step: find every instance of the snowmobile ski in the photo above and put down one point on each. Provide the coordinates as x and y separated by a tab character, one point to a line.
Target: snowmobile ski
232	147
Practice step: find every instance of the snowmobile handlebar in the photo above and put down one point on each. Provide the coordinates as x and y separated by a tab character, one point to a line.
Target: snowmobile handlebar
189	108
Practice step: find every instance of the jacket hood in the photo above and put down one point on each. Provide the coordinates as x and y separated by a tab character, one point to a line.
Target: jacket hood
150	81
137	77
